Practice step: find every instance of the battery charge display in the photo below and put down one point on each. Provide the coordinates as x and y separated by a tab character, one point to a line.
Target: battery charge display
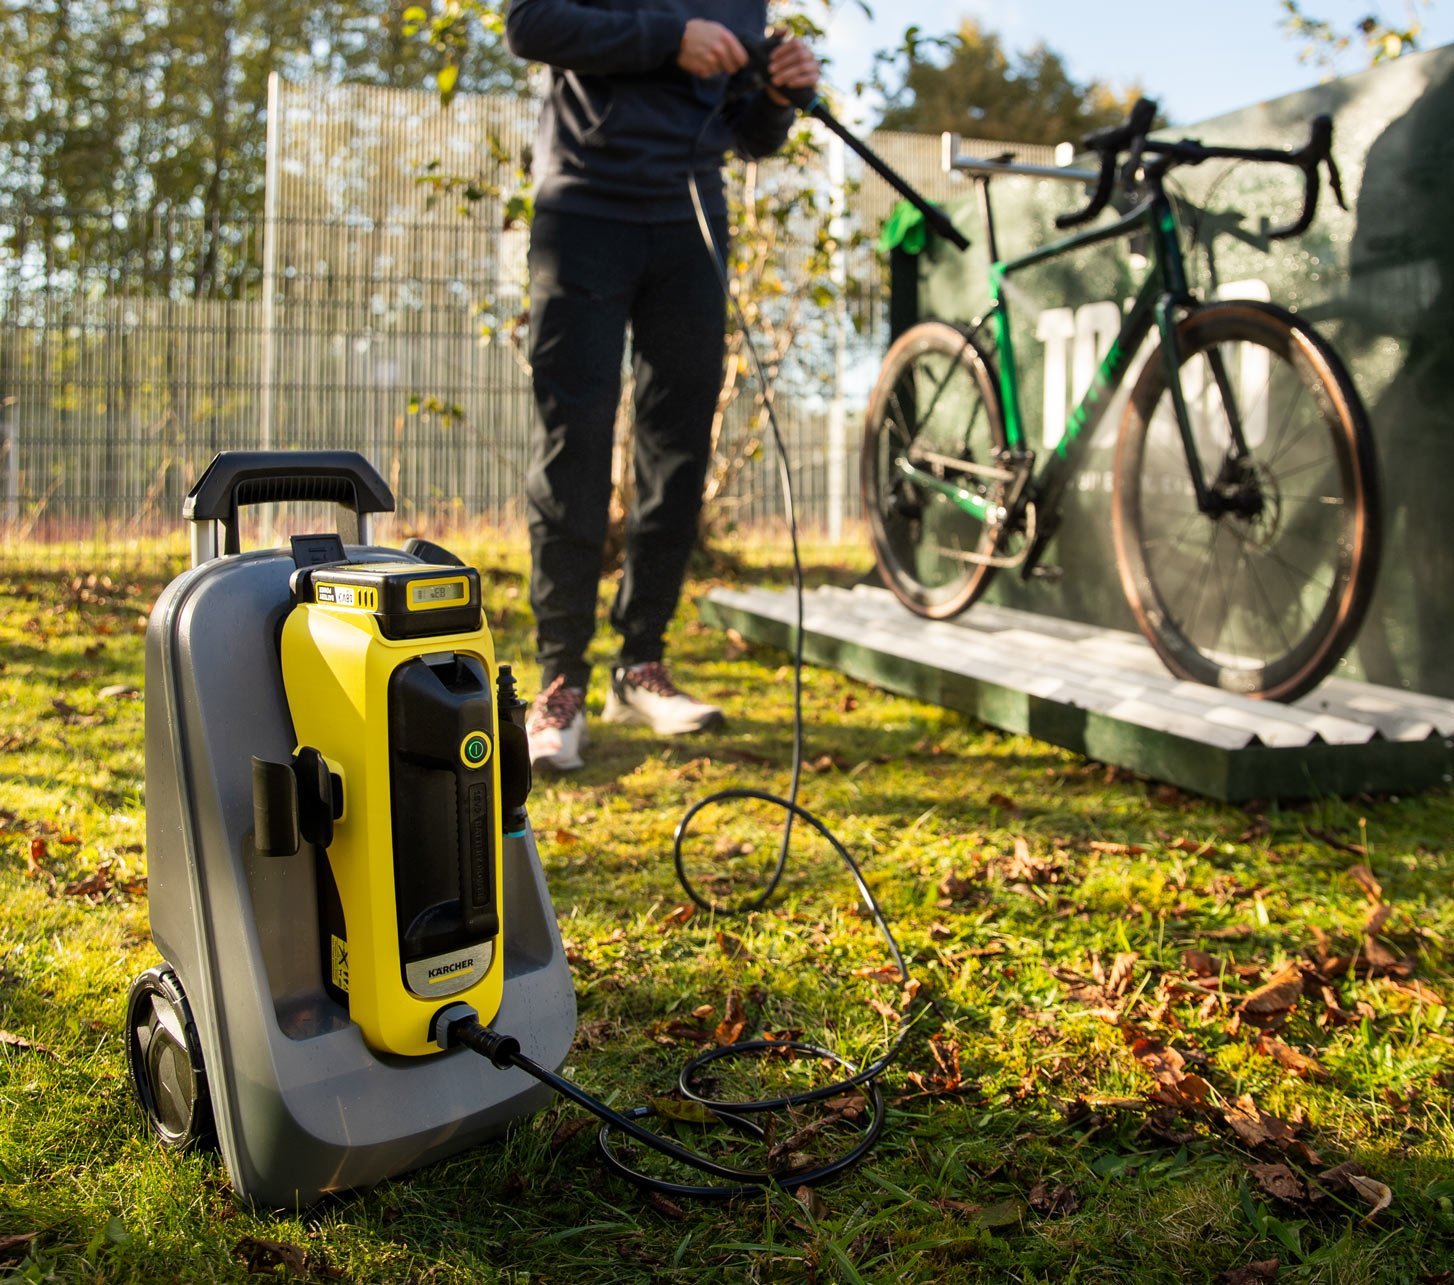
431	593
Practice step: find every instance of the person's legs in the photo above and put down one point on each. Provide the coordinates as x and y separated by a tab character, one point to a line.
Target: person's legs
677	347
582	277
677	343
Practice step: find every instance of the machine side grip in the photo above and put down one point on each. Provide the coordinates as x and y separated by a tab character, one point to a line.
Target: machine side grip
294	801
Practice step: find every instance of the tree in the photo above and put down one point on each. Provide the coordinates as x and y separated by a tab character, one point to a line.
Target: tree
968	84
132	106
1323	41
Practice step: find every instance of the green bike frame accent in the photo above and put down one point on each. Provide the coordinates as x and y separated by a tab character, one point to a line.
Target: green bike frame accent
1162	291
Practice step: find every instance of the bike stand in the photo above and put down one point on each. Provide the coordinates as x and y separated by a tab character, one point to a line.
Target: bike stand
1104	693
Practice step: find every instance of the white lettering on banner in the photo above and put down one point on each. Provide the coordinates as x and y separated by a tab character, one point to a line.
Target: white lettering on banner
1055	328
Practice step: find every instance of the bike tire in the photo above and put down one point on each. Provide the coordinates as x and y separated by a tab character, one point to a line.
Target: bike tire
1264	602
935	399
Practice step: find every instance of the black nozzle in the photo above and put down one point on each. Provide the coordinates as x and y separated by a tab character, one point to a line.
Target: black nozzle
759	56
515	775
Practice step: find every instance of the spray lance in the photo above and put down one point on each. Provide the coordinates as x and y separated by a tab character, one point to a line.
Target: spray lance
808	101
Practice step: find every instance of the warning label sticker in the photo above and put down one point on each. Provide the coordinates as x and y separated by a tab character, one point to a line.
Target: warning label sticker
340	963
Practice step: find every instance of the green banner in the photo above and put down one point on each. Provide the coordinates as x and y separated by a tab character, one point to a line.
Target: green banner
1377	280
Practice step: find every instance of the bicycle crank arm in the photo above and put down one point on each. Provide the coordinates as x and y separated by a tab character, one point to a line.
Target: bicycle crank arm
995	559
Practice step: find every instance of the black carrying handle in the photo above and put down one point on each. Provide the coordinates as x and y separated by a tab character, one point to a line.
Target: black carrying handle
235	479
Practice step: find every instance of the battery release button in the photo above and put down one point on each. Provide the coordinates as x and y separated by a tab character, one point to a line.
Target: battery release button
474	750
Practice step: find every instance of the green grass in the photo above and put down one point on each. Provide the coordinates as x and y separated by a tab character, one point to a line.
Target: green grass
1045	903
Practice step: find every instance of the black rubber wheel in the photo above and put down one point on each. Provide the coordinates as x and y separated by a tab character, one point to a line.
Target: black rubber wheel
936	403
165	1059
1264	596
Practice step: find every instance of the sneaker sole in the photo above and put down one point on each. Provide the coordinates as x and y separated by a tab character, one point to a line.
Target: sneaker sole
559	762
617	711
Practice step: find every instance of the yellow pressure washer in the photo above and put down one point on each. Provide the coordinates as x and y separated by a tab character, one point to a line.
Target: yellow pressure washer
338	848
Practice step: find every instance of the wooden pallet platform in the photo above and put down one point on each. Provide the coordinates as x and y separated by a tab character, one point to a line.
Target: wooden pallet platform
1104	693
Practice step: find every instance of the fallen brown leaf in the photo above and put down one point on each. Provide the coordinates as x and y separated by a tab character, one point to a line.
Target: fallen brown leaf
568	1130
734	1020
948	1206
1363	876
1255	1126
1382	962
1253	1273
33	862
665	1206
1378	1195
1122	969
1418	990
1053	1201
1277	995
594	1032
1116	849
1278	1181
1198	963
732	946
23	1045
10	1244
956	887
1291	1058
263	1256
1377	917
810	1200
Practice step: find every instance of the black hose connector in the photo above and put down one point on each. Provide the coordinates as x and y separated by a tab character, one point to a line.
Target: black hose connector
460	1024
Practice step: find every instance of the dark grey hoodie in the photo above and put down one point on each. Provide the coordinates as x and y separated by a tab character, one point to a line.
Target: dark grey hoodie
623	124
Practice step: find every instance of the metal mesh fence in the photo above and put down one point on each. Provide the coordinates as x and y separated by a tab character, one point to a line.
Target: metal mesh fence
349	315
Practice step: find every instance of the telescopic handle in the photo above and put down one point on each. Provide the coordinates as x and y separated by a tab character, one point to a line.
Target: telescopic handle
235	479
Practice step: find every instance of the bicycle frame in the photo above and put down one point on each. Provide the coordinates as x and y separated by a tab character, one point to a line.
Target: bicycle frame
1161	292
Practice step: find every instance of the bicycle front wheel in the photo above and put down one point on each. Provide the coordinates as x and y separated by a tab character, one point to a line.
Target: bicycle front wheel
935	407
1265	592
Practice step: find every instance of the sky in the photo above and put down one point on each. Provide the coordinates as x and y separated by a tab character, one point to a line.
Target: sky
1198	60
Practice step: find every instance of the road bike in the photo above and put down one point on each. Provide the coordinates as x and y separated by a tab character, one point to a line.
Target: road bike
1245	501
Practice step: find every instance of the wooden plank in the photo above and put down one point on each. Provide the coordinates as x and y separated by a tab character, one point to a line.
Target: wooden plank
1103	693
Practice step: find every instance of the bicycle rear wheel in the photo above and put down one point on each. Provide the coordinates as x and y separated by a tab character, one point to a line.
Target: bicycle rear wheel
1264	595
936	405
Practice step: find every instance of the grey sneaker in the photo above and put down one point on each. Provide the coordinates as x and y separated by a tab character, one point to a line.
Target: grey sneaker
646	694
556	727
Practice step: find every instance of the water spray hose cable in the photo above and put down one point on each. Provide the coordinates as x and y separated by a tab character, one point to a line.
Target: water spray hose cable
459	1025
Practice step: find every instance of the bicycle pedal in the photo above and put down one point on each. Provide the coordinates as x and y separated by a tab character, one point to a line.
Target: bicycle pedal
1051	574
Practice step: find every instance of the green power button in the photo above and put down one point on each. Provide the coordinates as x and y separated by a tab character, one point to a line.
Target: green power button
474	750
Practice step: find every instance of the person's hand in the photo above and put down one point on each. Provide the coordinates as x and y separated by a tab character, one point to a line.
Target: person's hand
792	66
709	49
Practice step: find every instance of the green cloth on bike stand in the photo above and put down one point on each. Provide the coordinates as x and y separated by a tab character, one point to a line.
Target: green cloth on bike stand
904	229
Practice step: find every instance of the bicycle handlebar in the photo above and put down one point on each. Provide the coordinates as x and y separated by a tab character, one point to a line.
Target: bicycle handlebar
1131	139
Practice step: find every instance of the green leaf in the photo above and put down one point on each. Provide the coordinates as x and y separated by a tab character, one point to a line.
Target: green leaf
679	1109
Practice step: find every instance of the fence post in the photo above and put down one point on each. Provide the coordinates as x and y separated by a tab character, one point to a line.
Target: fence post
838	274
10	449
267	367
